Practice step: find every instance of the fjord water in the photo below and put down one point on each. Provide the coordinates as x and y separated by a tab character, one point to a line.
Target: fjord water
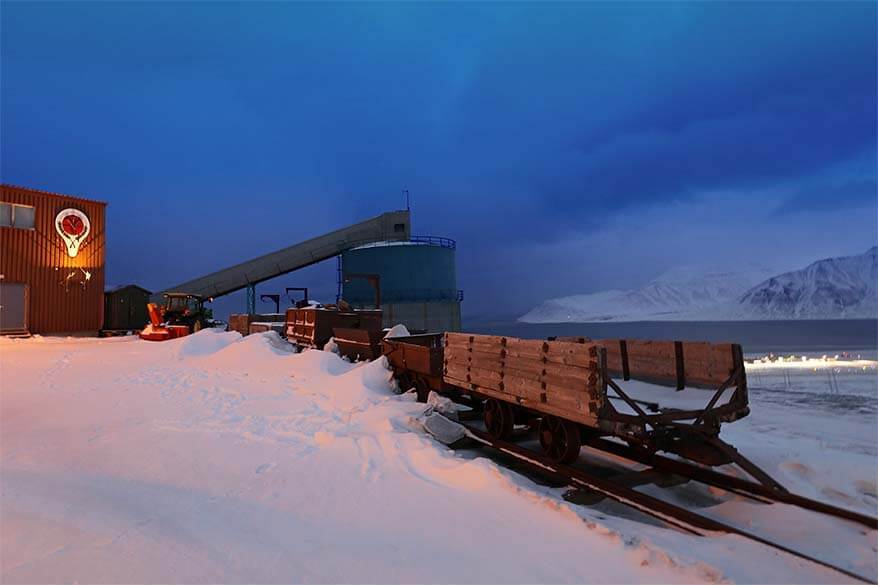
825	335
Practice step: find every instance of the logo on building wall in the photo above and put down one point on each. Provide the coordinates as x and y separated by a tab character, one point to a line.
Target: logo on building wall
73	226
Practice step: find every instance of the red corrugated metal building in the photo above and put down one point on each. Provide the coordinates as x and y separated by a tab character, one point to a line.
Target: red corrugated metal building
52	250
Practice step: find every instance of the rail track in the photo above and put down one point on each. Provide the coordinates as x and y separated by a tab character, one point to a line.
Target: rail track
669	513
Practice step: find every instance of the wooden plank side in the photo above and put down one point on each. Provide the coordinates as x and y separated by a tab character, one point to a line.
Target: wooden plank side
457	339
477	354
521	364
647	348
525	345
487	363
456	356
522	374
614	354
654	360
525	348
574	415
573	384
574	372
563	398
457	372
486	375
523	387
572	354
708	363
484	344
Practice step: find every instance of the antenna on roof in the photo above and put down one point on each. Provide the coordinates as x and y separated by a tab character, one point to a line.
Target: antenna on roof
408	204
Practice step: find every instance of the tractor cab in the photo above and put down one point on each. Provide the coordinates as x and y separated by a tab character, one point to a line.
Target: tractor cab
182	304
185	309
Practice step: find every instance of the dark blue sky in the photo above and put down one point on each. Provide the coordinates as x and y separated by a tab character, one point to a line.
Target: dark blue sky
568	147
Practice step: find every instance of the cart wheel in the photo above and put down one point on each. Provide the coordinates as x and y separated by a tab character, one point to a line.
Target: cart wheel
499	418
559	439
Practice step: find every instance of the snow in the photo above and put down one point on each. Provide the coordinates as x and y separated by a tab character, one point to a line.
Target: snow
678	292
665	397
398	330
833	288
444	430
844	287
443	405
222	459
331	346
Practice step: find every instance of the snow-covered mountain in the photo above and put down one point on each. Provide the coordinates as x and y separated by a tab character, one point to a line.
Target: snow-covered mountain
679	291
834	288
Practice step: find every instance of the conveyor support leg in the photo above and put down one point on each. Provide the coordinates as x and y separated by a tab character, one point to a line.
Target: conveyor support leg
251	299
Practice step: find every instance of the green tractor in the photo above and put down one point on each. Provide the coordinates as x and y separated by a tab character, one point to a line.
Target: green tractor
187	309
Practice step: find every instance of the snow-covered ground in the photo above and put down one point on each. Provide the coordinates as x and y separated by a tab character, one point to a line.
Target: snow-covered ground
218	459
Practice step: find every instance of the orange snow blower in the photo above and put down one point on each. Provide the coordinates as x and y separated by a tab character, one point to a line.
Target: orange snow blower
182	314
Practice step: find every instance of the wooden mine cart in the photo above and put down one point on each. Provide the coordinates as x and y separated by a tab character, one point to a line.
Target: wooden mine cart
313	326
573	390
656	396
359	343
417	361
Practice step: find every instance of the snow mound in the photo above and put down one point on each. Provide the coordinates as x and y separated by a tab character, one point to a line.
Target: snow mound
271	341
324	362
398	330
377	376
331	346
260	351
205	342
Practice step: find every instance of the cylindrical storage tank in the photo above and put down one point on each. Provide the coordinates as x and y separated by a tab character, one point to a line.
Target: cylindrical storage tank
417	279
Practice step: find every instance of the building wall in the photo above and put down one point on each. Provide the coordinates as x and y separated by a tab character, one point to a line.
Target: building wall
126	309
38	257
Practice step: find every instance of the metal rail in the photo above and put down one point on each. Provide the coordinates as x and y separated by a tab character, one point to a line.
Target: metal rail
728	482
672	514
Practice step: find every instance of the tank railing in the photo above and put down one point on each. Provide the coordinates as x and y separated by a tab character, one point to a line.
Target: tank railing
412	295
434	241
437	241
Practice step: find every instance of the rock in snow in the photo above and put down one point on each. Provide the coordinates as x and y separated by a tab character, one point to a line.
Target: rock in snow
445	431
442	405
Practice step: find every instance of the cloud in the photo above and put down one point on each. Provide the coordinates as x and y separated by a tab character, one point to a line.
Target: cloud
560	143
861	194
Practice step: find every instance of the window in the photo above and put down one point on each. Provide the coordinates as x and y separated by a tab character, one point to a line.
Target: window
24	217
399	228
18	216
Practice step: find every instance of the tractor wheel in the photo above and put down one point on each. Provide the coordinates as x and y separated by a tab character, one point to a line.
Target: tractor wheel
499	418
196	327
560	439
